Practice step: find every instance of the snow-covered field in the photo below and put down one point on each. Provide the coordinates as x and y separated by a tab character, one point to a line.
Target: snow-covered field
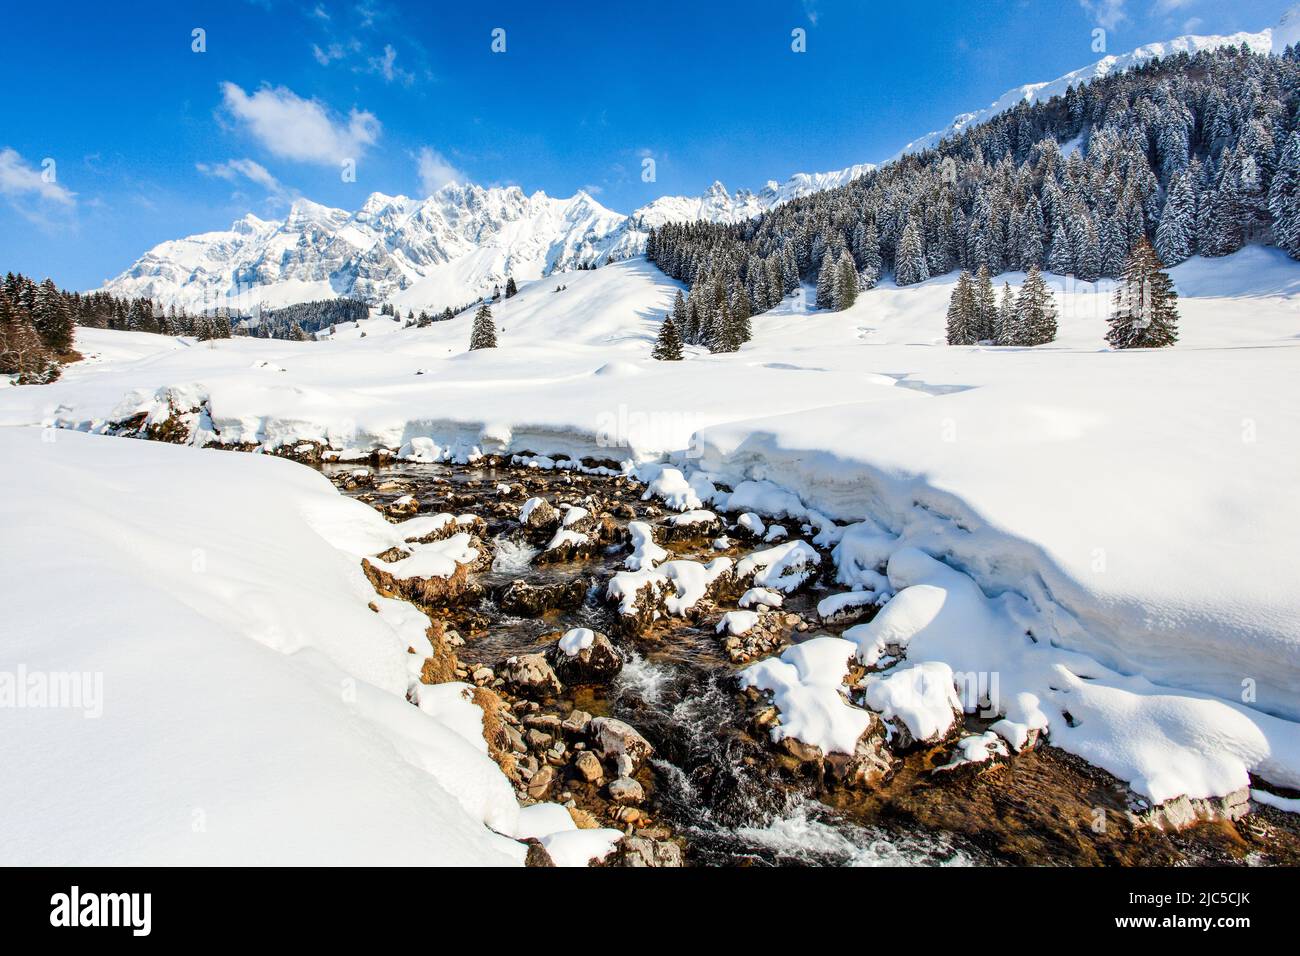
1137	508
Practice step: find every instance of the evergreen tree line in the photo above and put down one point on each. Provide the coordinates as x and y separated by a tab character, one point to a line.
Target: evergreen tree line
975	313
1197	155
302	320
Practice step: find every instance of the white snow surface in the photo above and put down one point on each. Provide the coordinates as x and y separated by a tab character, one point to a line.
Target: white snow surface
1134	508
252	707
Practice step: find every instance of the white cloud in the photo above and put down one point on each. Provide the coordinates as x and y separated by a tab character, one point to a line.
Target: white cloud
255	172
1192	25
1107	13
436	171
1163	7
298	129
328	55
29	189
385	65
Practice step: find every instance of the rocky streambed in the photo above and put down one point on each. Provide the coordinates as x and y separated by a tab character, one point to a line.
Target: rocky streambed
604	632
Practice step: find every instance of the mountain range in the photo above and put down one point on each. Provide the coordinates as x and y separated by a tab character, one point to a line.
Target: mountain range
464	240
446	250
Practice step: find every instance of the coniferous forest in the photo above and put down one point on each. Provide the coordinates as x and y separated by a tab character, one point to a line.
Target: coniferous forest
1197	155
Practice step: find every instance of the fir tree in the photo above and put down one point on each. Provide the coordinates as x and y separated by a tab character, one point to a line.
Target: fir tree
22	353
511	288
826	282
961	310
52	319
985	312
1005	328
1035	315
1176	234
1146	306
668	345
910	265
679	311
1284	198
484	333
844	284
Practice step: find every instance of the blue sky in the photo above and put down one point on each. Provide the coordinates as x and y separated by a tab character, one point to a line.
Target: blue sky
150	140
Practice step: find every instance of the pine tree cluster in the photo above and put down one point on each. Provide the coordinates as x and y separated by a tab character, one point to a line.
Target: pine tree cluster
1198	155
301	320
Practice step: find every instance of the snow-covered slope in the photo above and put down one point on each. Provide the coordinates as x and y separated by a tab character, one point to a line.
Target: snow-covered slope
1276	40
239	700
446	250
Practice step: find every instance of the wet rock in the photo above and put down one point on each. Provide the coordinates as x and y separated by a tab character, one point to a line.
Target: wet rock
588	766
537	855
869	766
432	592
691	527
639	851
538	518
1183	812
576	722
529	675
626	790
403	507
611	738
597	663
533	600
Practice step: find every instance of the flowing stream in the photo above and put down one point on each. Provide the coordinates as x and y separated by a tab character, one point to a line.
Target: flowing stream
717	785
710	784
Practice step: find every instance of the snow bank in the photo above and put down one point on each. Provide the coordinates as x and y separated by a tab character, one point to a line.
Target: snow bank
253	707
807	684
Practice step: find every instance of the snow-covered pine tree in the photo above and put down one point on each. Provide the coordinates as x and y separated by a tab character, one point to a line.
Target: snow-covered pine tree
909	265
1035	317
826	282
869	273
668	344
1004	330
844	286
1176	234
985	313
1060	258
483	335
1284	198
679	312
742	328
22	353
961	308
53	320
511	288
1146	306
724	337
